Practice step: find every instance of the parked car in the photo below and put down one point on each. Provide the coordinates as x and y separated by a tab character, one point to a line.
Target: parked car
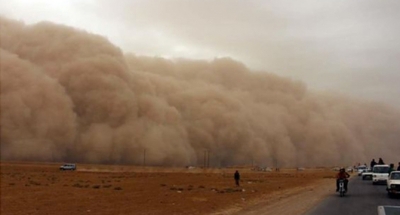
68	166
393	184
380	174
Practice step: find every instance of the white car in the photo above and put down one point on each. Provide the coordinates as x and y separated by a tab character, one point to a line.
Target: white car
68	166
349	169
388	210
366	175
361	169
380	174
393	183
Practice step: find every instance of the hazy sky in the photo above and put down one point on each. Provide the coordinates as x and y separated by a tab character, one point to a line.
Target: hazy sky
349	47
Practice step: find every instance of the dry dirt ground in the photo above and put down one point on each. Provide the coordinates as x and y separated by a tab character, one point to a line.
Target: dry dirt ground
41	188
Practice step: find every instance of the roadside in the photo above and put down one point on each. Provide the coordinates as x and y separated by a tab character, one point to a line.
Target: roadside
291	201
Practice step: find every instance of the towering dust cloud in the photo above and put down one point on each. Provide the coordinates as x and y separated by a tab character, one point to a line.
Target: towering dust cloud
67	95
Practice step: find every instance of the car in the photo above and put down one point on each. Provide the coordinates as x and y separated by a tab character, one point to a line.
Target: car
393	183
361	169
388	210
68	166
380	174
366	175
349	169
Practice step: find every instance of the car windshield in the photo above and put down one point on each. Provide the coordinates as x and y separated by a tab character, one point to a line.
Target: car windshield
395	176
381	169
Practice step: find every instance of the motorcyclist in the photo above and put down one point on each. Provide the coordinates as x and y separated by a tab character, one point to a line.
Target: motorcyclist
342	174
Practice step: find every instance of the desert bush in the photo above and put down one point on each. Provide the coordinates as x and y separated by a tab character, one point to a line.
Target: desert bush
117	188
34	183
77	185
96	186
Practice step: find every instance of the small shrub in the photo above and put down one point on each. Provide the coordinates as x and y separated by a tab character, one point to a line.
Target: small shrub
34	183
118	188
96	186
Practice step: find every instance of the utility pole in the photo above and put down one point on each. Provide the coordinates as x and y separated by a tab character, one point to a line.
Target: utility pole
144	157
206	159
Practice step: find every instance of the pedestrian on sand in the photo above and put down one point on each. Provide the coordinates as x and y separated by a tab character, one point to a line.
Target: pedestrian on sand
237	178
381	161
398	168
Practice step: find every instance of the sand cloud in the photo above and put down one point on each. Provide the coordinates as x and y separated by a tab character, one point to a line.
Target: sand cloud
67	95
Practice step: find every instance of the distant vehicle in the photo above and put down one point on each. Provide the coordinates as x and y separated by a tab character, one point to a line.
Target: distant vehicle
68	166
362	169
366	175
349	169
380	174
393	184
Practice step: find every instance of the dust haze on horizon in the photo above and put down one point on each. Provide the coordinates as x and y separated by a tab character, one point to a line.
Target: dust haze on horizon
68	95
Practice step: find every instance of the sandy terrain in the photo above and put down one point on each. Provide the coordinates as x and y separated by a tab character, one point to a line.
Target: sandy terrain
33	188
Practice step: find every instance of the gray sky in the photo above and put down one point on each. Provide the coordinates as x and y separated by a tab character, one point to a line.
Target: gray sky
349	47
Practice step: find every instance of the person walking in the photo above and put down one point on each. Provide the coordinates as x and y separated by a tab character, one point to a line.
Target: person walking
236	176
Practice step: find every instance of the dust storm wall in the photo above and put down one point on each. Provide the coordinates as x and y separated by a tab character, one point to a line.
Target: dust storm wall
68	95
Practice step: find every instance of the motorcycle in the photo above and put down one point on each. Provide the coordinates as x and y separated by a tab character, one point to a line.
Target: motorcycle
342	191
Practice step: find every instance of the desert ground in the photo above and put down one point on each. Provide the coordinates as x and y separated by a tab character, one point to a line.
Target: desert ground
41	188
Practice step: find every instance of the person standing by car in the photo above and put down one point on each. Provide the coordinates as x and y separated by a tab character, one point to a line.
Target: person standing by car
236	176
342	175
391	168
380	162
398	168
373	163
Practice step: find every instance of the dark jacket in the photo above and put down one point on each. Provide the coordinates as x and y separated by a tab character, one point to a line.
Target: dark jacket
373	163
342	175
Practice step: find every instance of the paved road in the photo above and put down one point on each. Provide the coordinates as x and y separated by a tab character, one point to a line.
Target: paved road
362	198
